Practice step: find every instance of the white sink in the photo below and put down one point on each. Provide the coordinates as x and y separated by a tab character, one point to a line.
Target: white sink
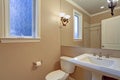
96	60
103	66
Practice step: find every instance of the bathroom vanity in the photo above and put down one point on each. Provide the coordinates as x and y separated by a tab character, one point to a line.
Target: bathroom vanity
99	66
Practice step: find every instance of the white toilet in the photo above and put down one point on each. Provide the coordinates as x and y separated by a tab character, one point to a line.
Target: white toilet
66	69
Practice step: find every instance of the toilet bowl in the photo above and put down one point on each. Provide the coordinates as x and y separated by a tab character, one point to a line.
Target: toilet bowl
66	69
57	75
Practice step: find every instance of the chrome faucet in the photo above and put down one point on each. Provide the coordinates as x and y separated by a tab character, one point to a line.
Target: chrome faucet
94	54
107	56
100	56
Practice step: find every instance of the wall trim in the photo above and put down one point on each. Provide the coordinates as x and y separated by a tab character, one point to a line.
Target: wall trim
93	25
96	24
79	7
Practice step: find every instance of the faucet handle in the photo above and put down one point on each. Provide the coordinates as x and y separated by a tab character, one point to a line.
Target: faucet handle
94	54
100	54
107	56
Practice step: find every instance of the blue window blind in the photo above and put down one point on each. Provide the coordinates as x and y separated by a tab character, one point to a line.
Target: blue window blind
22	18
76	27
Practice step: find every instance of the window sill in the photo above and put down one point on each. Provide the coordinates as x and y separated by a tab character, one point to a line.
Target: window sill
19	40
77	39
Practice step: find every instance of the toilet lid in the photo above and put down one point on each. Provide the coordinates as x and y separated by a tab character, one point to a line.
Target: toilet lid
55	75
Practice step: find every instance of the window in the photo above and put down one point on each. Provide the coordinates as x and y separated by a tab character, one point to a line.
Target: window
22	19
77	25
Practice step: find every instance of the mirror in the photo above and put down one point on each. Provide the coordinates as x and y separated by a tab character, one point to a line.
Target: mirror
91	23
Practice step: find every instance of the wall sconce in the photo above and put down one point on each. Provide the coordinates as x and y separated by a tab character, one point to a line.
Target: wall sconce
64	18
112	4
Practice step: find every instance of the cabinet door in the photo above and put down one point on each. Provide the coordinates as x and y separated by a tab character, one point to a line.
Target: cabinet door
111	46
95	33
111	31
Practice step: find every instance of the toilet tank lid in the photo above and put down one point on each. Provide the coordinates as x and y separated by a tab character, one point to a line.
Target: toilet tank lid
65	58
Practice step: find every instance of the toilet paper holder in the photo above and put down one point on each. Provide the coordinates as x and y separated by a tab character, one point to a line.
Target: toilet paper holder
37	63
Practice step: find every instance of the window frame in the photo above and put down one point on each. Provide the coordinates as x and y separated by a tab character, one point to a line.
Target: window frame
6	28
80	31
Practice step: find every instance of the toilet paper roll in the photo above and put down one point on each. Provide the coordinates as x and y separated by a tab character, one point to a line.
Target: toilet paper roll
37	64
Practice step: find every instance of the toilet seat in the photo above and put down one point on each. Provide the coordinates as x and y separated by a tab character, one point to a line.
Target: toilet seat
57	75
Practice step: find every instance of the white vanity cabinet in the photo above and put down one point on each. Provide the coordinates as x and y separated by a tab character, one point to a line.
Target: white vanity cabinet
111	33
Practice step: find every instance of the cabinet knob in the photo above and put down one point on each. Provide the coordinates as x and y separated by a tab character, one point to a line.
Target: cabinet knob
103	46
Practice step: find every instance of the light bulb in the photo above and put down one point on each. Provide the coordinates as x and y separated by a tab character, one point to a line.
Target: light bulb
102	7
115	0
112	1
67	16
62	14
109	1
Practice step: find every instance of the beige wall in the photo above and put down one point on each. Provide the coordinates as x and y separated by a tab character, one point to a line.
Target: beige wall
16	58
95	36
67	31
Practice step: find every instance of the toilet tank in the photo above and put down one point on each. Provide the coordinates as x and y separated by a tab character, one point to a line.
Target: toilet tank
66	65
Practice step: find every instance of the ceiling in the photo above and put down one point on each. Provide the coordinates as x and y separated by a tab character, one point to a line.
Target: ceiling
93	6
